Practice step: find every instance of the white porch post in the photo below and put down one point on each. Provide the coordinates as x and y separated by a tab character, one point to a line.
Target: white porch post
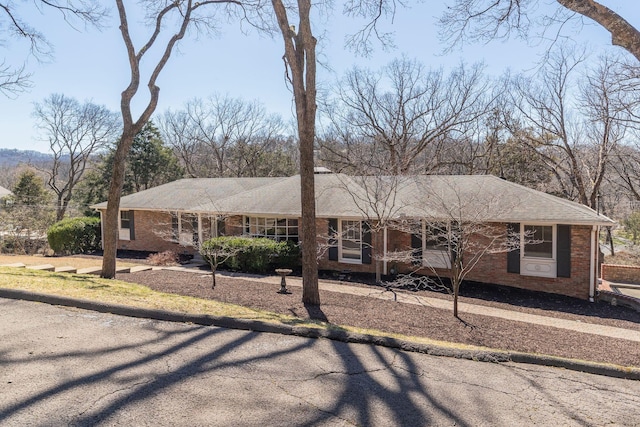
199	228
179	214
101	231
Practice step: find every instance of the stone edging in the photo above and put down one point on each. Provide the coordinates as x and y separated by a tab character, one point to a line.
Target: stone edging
615	298
338	335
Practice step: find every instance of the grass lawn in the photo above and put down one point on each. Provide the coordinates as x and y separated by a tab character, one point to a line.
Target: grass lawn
94	288
57	261
91	287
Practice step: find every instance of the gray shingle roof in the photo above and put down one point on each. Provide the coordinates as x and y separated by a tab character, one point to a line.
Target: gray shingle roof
187	194
474	197
490	198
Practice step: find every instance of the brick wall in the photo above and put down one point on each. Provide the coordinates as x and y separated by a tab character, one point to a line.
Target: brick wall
152	229
492	268
621	273
153	232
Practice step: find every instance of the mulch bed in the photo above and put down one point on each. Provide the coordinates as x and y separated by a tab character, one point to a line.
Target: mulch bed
438	324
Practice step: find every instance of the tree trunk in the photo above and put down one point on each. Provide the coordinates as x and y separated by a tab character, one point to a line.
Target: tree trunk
310	292
60	208
455	302
301	61
111	229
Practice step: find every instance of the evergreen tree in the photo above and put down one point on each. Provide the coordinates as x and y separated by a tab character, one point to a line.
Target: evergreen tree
28	214
150	163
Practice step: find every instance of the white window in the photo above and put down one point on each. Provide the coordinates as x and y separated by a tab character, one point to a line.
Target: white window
539	241
124	232
435	245
185	228
273	228
188	229
350	241
538	250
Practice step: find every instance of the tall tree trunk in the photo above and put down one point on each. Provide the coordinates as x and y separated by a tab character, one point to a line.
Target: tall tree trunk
310	292
300	58
111	226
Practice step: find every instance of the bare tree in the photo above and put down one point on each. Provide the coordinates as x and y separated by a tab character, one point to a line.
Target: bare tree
179	15
216	252
420	111
379	198
75	133
573	135
459	223
216	137
492	19
15	79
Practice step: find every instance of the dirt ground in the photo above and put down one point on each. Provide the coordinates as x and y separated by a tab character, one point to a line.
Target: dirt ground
438	324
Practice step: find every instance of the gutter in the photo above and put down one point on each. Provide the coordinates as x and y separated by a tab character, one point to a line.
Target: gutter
594	263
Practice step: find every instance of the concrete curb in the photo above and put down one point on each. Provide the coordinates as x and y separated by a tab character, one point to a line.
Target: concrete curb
494	356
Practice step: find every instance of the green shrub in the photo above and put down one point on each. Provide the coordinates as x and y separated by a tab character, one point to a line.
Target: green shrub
74	235
251	255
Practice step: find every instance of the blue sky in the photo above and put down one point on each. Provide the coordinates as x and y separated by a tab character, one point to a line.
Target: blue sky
91	65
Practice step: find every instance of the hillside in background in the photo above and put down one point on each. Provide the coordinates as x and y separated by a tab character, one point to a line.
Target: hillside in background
14	157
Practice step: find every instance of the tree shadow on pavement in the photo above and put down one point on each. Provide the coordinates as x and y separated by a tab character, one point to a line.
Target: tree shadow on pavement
316	382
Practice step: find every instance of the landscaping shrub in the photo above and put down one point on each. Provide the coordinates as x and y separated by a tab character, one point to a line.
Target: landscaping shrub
74	235
251	255
164	258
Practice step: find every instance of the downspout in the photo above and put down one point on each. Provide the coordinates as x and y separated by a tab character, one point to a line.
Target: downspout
594	264
384	251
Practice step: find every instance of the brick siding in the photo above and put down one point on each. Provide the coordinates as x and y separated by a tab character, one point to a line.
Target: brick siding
621	273
153	232
152	229
492	268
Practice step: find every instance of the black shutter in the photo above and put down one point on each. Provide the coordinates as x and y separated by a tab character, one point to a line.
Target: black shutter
416	246
366	243
132	227
174	225
333	240
563	249
513	256
195	234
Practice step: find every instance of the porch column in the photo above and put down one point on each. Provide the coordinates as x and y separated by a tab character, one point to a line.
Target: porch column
199	228
179	214
101	230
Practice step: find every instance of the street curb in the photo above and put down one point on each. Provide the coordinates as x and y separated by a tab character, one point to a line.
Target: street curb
495	356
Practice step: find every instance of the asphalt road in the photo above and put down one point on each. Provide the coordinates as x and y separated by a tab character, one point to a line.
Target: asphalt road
62	366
